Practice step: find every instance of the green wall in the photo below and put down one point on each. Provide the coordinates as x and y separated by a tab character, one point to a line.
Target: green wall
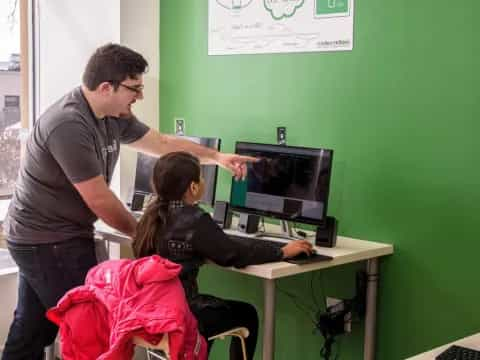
401	112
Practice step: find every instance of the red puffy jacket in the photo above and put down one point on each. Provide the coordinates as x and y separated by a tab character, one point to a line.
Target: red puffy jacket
122	299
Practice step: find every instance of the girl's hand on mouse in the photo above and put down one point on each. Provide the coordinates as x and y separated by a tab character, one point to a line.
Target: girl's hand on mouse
296	247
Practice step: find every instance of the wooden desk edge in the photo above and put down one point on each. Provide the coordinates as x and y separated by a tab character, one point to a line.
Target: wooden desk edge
282	269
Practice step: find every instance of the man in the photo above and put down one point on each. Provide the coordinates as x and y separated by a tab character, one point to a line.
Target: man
63	188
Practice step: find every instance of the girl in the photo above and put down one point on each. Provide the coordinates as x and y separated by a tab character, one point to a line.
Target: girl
175	228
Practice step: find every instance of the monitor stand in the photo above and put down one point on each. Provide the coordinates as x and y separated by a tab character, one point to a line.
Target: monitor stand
287	232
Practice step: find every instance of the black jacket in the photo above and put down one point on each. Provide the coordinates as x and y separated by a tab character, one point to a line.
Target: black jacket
191	236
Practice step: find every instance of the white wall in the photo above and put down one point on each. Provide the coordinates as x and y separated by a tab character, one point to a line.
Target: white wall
68	33
140	30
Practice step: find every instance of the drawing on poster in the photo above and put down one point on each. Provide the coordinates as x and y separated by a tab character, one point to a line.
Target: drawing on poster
279	26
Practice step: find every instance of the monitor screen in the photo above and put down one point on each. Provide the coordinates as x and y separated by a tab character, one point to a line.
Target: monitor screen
288	182
145	164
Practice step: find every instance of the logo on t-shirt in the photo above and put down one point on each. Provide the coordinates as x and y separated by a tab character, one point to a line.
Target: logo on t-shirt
111	148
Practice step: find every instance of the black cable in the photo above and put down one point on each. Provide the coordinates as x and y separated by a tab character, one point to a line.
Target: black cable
339	348
303	308
326	350
313	290
322	289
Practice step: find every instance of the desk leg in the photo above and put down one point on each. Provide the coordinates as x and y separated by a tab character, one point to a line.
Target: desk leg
371	311
269	319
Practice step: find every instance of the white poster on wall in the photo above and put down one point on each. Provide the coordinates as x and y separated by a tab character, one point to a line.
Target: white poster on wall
279	26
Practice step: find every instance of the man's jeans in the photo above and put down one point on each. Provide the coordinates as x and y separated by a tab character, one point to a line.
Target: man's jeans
46	273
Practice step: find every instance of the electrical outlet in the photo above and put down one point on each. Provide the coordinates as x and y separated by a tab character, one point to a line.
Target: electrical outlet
281	135
179	126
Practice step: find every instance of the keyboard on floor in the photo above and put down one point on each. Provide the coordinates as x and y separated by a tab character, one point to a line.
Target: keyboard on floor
455	352
299	259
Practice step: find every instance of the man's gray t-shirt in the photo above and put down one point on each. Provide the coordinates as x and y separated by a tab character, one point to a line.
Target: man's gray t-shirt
67	145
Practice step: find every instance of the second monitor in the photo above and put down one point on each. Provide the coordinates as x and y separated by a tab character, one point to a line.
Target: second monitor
145	164
288	182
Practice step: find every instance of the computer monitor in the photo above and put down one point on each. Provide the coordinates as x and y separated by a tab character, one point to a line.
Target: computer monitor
145	164
288	182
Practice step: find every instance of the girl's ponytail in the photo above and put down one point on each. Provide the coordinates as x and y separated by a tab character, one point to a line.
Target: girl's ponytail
171	178
151	223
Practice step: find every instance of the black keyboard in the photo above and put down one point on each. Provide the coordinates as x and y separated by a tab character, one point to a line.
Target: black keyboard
251	239
455	352
299	259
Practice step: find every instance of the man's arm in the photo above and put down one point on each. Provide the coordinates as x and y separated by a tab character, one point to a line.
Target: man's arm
103	202
155	143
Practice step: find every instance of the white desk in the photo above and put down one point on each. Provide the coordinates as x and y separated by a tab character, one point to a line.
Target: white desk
347	251
472	342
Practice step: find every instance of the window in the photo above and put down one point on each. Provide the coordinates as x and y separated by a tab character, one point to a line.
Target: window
12	102
12	87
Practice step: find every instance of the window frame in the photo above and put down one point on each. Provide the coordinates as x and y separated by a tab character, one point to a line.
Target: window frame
26	69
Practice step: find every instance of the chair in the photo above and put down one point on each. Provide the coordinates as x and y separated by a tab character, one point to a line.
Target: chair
240	332
162	346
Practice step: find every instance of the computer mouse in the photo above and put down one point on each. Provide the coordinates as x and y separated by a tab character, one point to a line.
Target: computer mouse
305	255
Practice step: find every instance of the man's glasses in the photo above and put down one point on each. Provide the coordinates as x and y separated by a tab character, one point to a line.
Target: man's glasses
136	89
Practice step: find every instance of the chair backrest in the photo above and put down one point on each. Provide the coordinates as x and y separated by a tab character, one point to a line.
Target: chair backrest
240	332
162	345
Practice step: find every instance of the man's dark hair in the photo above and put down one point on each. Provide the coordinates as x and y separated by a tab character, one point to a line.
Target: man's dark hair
113	63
